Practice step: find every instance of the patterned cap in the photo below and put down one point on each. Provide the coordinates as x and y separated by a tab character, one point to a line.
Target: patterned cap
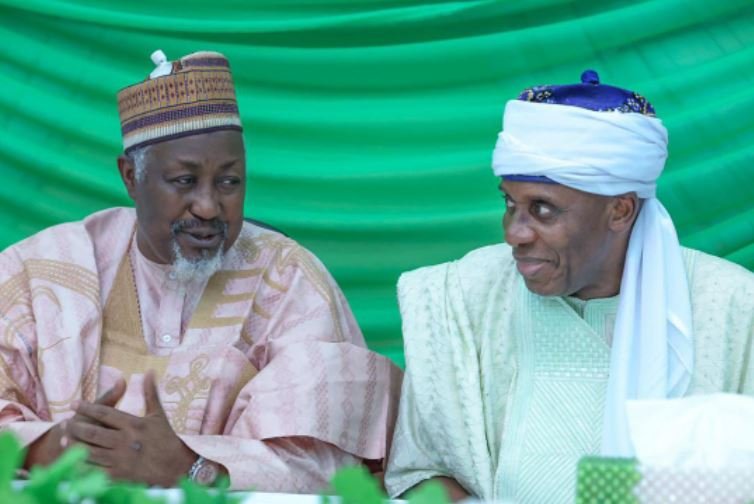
187	97
590	95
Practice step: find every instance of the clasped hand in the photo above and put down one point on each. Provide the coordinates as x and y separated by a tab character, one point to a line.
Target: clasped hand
127	447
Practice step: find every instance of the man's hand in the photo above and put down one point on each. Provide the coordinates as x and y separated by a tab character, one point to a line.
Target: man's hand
45	450
137	449
455	491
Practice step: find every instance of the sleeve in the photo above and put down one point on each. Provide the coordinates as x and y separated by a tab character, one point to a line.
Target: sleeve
440	427
321	399
22	405
413	457
17	411
722	297
741	321
288	464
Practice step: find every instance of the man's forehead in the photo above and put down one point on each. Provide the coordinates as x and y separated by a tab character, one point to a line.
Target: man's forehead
539	190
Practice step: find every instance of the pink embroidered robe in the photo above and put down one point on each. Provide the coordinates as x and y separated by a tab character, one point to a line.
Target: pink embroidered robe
262	368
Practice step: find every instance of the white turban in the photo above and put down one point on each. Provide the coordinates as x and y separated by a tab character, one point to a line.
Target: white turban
612	153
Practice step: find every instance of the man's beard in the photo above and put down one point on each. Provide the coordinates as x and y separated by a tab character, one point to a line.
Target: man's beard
201	268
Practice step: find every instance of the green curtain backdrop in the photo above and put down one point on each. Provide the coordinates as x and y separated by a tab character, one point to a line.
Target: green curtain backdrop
370	124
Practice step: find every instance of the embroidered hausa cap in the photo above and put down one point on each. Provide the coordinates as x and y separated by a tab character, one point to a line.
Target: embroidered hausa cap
189	96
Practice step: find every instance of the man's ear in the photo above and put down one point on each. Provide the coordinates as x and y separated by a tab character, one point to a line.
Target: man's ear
127	171
624	209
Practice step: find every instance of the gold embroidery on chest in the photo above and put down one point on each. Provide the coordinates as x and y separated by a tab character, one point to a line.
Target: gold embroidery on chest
123	344
258	310
248	248
195	385
214	295
246	336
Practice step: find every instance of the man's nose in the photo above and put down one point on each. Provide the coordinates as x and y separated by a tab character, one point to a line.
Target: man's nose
518	230
206	203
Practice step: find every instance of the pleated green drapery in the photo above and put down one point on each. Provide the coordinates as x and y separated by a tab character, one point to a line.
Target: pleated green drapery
370	124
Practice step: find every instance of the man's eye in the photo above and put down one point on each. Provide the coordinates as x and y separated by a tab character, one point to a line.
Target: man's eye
508	202
542	210
183	181
233	181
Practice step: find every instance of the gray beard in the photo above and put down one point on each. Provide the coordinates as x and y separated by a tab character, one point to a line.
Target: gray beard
185	270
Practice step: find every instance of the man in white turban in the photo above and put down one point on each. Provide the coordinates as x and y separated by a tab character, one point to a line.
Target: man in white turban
521	356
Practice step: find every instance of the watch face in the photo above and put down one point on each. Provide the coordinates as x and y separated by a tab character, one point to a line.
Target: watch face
207	473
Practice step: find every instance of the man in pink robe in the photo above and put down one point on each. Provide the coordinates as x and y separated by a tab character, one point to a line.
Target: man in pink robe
176	339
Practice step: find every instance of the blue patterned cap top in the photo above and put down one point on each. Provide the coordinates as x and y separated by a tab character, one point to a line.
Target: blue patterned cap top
591	95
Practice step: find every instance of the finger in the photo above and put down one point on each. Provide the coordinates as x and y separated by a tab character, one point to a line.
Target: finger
151	395
114	394
118	474
101	457
93	435
83	419
63	438
105	415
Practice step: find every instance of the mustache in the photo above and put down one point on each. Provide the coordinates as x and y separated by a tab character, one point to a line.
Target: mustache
216	225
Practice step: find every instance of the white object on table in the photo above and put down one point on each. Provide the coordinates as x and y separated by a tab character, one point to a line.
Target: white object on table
711	432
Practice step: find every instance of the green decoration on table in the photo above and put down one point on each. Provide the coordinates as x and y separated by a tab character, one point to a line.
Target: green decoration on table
92	484
13	456
71	480
127	493
607	481
193	493
356	486
45	482
430	492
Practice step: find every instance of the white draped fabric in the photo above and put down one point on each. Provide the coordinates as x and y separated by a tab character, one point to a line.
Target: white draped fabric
611	153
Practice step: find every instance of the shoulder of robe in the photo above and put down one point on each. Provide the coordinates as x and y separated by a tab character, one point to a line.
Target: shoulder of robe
268	248
719	281
477	270
65	238
256	241
422	293
484	269
117	220
489	262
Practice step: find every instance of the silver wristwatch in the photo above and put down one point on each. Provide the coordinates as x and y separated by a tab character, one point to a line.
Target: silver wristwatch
204	471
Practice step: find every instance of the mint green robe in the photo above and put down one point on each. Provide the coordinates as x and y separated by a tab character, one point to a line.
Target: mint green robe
505	390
